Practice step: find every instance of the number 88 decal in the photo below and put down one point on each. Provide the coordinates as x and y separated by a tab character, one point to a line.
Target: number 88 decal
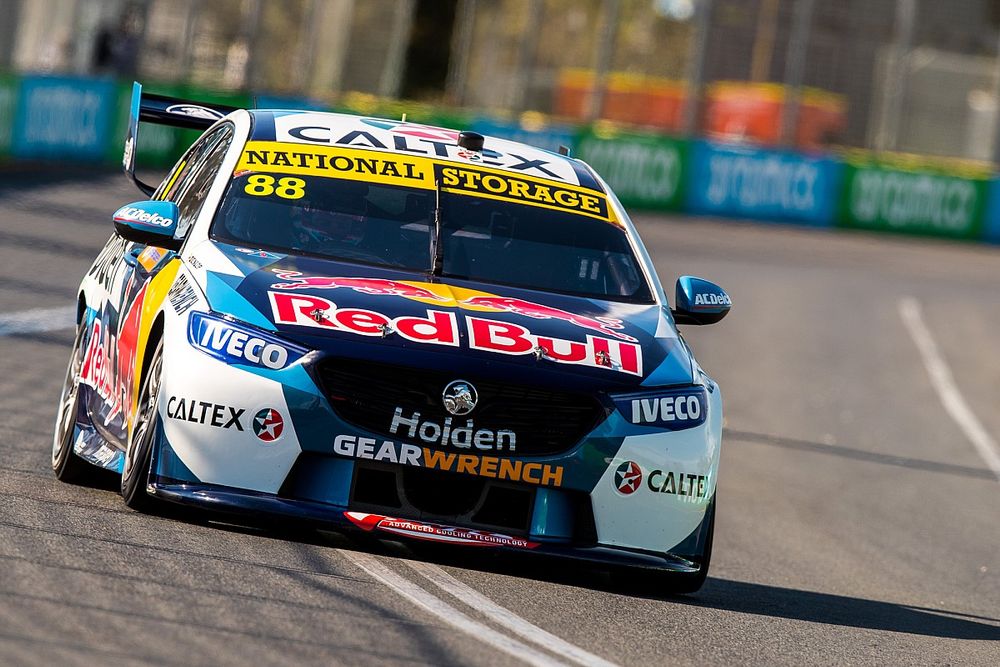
262	185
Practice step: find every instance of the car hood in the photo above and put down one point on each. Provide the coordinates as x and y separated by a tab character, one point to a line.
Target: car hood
473	328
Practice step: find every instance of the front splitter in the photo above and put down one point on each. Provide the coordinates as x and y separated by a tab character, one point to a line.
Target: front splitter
258	506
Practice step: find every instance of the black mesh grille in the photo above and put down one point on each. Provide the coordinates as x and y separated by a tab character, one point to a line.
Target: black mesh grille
367	394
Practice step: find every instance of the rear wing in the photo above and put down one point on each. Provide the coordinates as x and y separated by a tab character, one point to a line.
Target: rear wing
163	110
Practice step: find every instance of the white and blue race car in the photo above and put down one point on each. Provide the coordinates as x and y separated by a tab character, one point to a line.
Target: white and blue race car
409	331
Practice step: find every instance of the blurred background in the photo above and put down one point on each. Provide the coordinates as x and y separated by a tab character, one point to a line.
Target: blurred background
918	76
880	114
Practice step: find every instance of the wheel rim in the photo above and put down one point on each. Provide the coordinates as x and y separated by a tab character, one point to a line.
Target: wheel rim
66	419
144	419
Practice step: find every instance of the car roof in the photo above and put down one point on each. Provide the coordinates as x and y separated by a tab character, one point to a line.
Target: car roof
415	139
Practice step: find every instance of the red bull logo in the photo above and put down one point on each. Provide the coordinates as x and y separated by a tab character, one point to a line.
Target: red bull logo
605	325
596	352
383	287
372	286
440	327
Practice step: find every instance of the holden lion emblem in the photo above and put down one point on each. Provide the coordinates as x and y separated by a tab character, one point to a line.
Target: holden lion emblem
459	397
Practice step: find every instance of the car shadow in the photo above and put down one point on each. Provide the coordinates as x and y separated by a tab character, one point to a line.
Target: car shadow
720	594
845	611
760	600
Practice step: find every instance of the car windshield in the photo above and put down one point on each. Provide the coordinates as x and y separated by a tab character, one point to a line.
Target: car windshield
483	239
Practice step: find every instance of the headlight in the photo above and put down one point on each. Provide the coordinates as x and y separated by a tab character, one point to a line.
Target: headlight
670	409
241	344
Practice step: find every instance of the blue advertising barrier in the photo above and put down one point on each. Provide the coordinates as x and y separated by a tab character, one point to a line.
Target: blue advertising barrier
64	118
991	226
744	182
549	138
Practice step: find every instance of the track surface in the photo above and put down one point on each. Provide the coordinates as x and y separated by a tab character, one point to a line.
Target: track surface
857	524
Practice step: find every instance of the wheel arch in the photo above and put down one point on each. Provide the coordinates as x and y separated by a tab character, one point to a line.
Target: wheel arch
155	335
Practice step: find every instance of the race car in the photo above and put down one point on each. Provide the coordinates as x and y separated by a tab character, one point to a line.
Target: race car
407	331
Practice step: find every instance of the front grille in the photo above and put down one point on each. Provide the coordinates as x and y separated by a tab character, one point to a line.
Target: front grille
432	495
545	421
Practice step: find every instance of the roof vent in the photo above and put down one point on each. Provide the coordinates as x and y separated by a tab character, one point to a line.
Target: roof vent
472	141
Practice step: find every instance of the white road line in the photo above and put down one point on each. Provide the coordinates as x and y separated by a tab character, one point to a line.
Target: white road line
944	384
447	613
39	319
505	617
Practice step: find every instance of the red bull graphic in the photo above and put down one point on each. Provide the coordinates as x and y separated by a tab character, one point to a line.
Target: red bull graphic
382	287
605	325
109	361
372	286
513	339
441	328
438	328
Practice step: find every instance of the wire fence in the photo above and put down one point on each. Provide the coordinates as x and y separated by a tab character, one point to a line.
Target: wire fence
919	76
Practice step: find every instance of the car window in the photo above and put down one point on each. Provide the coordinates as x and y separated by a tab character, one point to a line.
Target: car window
181	172
188	184
485	240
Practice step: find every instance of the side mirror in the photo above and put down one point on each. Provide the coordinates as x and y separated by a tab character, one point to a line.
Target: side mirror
149	222
699	301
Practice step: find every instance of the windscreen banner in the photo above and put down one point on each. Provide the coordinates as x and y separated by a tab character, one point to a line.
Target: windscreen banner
912	202
747	182
645	171
64	118
8	104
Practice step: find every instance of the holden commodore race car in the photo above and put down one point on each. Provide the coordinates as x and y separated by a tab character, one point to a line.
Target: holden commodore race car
397	329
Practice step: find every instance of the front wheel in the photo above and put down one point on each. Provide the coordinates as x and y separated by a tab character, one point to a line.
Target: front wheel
67	466
145	429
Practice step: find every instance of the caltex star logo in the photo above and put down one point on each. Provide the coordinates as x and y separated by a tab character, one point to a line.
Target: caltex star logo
268	424
628	477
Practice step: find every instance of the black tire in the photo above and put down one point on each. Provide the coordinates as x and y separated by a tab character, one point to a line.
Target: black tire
139	452
670	583
67	466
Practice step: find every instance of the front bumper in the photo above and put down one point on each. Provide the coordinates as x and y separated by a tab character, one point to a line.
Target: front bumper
313	467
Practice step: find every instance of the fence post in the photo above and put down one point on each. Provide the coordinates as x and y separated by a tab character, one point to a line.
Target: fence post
763	42
696	67
605	52
8	33
897	68
528	56
192	10
251	32
399	40
795	64
996	104
461	48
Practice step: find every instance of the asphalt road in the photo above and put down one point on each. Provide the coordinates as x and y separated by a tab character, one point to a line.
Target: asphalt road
857	522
